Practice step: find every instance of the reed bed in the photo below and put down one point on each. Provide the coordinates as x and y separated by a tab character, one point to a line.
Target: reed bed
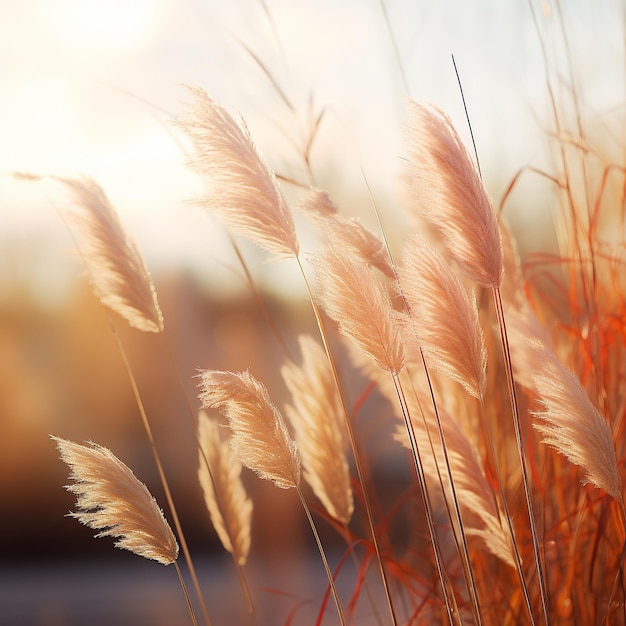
505	402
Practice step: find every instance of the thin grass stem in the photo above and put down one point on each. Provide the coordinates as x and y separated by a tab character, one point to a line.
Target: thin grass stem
164	481
396	49
243	581
520	450
464	550
516	553
353	444
619	574
368	590
187	598
258	298
448	595
331	580
467	117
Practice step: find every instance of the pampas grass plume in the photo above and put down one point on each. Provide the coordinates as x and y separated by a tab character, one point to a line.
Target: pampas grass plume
354	297
224	494
448	193
529	340
260	439
115	264
347	233
242	190
112	500
570	423
443	316
317	419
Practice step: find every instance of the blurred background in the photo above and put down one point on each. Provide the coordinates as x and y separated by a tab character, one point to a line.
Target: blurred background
94	88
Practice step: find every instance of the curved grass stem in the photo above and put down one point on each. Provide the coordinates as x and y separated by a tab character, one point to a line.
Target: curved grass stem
463	548
164	481
331	580
353	444
520	450
187	598
448	594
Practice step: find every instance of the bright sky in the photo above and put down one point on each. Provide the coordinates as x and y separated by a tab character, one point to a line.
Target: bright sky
91	87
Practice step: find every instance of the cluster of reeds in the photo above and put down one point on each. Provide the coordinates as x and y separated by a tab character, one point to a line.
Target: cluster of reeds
508	403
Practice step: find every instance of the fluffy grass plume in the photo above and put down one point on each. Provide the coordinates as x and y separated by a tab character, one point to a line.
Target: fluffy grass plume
527	336
448	192
570	423
224	494
241	188
260	439
116	267
112	500
347	233
358	301
317	418
453	343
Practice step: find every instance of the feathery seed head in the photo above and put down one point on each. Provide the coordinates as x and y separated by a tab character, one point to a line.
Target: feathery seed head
115	265
347	233
570	423
318	421
358	301
112	500
448	193
224	494
444	318
260	439
242	189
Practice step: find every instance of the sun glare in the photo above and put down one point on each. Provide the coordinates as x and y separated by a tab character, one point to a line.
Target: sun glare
39	121
115	23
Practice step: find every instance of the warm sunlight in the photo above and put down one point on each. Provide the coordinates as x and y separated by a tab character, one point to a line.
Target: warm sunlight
330	294
114	24
39	125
